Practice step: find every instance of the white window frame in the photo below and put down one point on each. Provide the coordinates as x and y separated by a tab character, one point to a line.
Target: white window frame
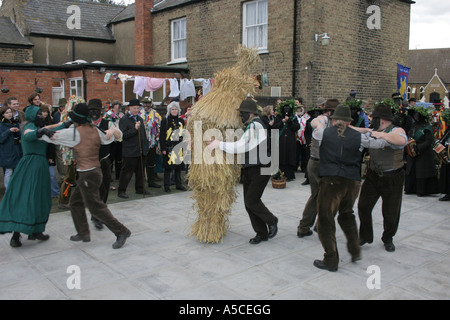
174	24
77	94
58	91
261	26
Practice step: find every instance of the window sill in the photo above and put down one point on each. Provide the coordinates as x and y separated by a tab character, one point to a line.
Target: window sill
177	61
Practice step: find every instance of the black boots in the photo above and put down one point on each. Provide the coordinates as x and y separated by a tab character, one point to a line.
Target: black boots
38	236
15	240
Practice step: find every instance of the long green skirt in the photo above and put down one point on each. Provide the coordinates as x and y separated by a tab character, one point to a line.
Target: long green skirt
27	202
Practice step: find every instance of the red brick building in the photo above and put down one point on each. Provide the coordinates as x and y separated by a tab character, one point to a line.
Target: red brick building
39	50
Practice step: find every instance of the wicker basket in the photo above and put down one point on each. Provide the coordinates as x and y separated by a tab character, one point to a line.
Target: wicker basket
279	183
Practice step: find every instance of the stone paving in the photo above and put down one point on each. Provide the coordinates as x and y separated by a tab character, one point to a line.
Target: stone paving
160	261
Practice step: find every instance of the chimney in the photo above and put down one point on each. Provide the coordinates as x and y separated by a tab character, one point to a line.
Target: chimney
143	32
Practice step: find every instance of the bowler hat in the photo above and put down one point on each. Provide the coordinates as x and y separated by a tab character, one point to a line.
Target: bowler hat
80	114
134	102
248	105
95	104
397	95
342	113
383	111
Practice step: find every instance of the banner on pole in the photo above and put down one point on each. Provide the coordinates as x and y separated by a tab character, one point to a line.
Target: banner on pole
402	80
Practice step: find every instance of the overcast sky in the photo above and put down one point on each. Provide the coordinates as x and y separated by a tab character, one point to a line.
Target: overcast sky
430	24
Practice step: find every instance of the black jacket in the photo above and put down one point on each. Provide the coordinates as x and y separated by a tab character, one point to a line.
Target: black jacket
288	139
130	145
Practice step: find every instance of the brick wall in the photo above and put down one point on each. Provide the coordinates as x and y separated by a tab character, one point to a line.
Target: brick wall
143	32
16	55
357	58
22	83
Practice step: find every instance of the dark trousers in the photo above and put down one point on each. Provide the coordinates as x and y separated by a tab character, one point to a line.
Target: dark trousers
105	165
86	193
116	157
150	164
254	185
132	166
310	211
337	194
167	176
390	188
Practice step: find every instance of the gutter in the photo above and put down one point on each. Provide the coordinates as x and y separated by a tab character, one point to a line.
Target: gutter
96	66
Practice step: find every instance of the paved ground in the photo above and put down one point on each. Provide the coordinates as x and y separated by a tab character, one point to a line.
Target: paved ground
161	261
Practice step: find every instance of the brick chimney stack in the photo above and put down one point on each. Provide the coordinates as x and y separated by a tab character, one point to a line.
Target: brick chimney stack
143	32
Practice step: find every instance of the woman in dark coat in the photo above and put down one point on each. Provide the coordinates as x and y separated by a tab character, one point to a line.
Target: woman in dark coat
171	132
444	178
10	148
287	124
421	173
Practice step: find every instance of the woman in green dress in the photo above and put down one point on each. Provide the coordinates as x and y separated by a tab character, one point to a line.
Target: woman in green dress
26	205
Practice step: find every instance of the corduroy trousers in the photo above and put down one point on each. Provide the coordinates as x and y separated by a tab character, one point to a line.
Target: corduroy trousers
337	194
86	194
390	188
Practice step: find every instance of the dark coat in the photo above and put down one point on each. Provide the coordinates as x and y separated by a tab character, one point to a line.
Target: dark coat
288	148
423	164
130	145
10	148
444	178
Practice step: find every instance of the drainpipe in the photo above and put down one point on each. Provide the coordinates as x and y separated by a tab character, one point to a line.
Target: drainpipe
294	55
73	49
83	70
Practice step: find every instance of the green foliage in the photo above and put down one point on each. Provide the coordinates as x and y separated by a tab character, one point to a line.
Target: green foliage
446	115
354	104
389	102
425	112
288	102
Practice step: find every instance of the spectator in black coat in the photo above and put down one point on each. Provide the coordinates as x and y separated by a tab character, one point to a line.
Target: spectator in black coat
134	150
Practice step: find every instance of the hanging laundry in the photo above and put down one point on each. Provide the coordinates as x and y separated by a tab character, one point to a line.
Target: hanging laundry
123	77
107	76
187	89
139	85
174	88
153	84
206	86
